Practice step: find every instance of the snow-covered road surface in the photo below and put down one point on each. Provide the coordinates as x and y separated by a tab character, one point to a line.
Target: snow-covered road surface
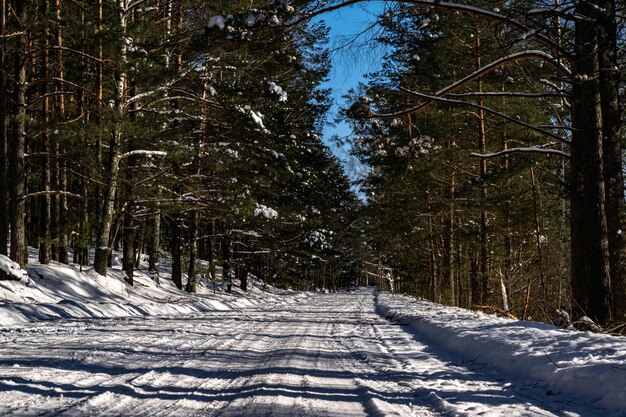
326	355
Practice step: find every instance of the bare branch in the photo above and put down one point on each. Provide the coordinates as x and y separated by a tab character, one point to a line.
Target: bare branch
521	150
508	94
62	81
81	53
479	73
488	110
194	99
11	35
162	88
65	193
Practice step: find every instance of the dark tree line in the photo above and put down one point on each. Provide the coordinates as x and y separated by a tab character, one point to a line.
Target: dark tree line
516	83
180	128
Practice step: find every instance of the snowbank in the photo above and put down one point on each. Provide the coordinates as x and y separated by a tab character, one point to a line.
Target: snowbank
577	363
58	291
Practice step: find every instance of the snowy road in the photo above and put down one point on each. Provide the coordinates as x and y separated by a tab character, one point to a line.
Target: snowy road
327	355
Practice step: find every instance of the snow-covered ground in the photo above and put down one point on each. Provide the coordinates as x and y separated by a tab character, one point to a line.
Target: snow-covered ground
57	291
75	344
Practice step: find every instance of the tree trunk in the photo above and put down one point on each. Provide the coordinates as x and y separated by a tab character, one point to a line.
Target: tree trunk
227	248
538	233
175	241
103	249
211	255
242	275
482	146
4	131
612	152
83	238
44	209
475	281
128	237
448	241
19	248
154	237
591	277
193	254
129	232
63	240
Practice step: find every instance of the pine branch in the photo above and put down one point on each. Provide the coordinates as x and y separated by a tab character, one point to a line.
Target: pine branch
65	193
508	94
521	150
479	73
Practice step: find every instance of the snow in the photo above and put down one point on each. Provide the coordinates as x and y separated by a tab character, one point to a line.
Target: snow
587	365
12	269
76	343
256	116
264	211
58	291
253	18
277	90
217	21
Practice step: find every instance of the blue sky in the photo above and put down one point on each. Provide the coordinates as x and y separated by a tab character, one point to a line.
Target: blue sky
350	63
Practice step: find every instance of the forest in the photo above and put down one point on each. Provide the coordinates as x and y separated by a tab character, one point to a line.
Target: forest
191	131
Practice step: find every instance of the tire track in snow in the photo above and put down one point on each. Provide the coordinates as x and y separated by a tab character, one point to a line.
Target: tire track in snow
289	383
332	355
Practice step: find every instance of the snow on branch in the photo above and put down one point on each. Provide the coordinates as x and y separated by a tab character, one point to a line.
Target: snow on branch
132	5
488	110
144	153
162	88
566	12
11	35
522	150
552	85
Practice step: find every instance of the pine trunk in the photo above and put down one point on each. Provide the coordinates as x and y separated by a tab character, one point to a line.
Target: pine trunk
175	241
591	277
448	241
482	147
153	245
17	212
128	237
193	254
63	240
227	248
103	248
4	131
45	210
612	152
242	276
